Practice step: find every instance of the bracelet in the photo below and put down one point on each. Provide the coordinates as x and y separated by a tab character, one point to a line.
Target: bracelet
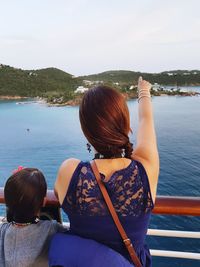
148	96
143	93
143	90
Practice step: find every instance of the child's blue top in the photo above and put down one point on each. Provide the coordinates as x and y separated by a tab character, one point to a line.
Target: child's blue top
89	216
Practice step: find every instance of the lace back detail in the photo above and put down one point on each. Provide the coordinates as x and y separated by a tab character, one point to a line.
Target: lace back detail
128	189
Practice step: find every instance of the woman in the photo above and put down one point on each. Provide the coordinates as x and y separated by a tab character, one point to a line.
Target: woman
130	176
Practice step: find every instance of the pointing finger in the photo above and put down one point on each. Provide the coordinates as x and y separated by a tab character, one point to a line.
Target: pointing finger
140	79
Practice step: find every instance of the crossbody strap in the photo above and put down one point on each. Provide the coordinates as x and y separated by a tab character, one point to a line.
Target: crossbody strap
115	217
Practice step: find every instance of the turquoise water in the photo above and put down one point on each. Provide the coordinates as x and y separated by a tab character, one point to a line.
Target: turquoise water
55	135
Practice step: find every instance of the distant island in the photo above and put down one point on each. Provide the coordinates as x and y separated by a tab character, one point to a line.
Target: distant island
60	88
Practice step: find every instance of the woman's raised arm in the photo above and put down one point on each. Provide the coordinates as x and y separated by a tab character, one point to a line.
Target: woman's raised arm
146	146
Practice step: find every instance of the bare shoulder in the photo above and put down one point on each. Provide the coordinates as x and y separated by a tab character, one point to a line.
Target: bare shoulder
64	176
69	165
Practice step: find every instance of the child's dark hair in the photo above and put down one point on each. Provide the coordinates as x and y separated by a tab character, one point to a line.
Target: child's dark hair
24	194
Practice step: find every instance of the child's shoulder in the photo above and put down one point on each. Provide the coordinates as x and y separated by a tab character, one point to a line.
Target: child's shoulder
4	226
47	223
52	225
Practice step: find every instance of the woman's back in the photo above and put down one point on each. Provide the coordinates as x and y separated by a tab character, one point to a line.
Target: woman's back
130	194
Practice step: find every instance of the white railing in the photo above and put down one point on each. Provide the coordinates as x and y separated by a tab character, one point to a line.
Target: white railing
171	253
173	233
175	254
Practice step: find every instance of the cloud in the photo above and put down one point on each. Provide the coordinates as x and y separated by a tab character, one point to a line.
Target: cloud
85	36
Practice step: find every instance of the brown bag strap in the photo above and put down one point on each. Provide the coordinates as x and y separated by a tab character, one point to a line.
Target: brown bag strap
115	217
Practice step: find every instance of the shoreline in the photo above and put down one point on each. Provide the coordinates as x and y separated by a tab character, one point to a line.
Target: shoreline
16	97
77	101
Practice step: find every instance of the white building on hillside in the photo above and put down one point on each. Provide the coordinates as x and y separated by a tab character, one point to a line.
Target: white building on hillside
81	89
87	82
132	87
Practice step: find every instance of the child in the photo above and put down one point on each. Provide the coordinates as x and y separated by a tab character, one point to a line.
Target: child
24	239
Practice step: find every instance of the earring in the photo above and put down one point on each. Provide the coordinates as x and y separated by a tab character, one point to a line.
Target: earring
123	153
89	147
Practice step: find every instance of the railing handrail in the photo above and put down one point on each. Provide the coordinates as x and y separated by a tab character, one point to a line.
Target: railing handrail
172	205
177	205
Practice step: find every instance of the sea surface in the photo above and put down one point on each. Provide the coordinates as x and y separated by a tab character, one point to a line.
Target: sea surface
55	134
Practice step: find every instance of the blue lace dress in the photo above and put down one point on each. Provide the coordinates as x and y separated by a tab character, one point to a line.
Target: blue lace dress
89	217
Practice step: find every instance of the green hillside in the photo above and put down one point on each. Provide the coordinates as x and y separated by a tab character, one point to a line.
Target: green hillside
177	77
58	86
30	83
114	76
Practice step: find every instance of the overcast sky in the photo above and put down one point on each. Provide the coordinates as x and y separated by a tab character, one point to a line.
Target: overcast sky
91	36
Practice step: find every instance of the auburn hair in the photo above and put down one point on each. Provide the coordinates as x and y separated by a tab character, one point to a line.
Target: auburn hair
105	121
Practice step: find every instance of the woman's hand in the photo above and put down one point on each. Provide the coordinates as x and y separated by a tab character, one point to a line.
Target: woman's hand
143	85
